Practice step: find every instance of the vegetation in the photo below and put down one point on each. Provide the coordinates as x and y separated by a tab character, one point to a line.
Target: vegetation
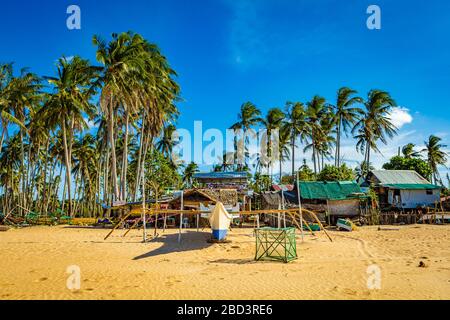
333	173
45	129
52	161
403	163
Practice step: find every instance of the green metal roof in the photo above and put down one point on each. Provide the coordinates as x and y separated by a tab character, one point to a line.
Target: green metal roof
411	186
330	190
399	177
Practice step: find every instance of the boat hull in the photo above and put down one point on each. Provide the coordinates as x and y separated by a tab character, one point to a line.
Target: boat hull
219	220
219	234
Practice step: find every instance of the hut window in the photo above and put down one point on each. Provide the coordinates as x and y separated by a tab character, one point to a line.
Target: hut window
396	192
429	192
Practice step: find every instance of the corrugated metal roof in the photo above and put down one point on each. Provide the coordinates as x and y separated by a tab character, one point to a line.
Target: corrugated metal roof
340	190
409	186
221	175
399	177
283	187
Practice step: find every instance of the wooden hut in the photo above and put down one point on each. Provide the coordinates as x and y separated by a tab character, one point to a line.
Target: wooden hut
403	189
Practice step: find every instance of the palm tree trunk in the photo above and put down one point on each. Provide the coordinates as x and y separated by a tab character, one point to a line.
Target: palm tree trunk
113	150
293	154
125	159
141	145
338	144
44	189
281	164
68	169
3	137
314	158
21	198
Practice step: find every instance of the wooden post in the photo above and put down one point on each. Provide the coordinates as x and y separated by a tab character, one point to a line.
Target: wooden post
198	220
282	207
181	215
144	214
117	225
320	224
300	207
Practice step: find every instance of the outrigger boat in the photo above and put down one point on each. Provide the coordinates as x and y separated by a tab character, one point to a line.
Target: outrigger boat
220	220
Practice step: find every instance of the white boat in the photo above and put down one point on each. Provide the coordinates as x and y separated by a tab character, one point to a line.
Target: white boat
219	219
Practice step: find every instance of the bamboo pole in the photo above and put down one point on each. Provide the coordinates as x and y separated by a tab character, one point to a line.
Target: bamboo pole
320	224
132	227
300	206
117	225
305	222
181	216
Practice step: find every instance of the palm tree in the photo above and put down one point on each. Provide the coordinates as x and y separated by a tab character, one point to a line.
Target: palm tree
272	122
68	104
24	94
283	147
189	172
135	78
315	112
374	123
363	169
122	59
6	76
248	117
408	151
165	144
345	116
298	126
325	140
435	156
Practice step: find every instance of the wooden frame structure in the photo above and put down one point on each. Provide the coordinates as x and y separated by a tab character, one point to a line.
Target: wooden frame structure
293	213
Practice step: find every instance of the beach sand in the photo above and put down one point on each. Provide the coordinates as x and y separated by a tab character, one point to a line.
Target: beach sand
34	261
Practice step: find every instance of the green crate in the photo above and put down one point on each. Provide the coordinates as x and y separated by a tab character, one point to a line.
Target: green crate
276	244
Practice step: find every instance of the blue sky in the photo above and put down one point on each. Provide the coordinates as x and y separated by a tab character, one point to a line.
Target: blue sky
227	52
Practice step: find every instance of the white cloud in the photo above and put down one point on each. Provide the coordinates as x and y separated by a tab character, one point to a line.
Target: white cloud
400	116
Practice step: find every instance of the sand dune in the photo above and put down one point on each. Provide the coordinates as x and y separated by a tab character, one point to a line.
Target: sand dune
33	263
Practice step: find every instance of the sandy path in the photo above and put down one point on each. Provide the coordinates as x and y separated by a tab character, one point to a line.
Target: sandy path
33	264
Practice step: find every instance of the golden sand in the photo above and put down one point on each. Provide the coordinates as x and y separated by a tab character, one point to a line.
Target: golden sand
33	264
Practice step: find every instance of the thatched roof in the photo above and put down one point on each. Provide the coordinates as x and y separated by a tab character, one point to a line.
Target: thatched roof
226	196
270	200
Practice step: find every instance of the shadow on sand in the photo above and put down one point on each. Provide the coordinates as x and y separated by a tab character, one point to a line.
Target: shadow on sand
190	241
88	227
233	261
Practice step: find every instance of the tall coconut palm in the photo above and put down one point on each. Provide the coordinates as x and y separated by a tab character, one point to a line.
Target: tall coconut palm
166	143
325	140
346	116
68	105
248	117
24	94
296	122
409	152
435	156
135	78
283	147
271	123
375	122
315	112
6	116
188	174
122	60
